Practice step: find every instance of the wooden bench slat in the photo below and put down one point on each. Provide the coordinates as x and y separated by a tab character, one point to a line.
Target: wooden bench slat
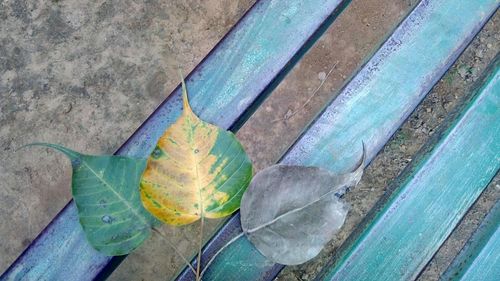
225	88
370	108
479	259
430	196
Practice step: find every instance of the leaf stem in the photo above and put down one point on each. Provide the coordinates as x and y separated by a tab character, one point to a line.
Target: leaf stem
164	237
198	264
219	251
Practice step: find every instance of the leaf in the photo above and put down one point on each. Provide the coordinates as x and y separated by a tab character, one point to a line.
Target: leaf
197	169
105	190
290	212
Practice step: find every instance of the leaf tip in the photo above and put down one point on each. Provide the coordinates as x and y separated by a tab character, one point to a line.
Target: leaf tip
68	152
363	156
23	147
185	100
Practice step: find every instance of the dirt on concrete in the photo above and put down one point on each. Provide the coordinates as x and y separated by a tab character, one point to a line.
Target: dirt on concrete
86	74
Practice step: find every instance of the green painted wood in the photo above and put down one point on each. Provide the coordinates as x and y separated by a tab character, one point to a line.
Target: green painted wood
430	197
480	258
369	108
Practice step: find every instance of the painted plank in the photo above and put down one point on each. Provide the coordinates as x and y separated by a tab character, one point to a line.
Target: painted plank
369	108
479	259
430	197
225	88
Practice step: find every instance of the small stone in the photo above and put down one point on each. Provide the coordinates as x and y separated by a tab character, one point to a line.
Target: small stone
474	71
68	108
489	46
428	110
462	71
322	76
288	114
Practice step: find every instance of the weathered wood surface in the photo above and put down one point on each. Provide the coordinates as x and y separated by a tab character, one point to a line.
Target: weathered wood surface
369	108
479	259
430	197
224	88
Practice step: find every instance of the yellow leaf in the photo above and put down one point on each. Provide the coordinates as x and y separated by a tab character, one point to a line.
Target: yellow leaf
197	169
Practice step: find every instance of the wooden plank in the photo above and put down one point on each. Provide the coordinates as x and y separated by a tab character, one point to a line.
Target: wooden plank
429	198
369	108
224	88
479	259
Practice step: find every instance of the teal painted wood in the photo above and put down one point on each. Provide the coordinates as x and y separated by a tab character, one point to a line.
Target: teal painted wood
224	89
408	64
430	197
480	258
369	108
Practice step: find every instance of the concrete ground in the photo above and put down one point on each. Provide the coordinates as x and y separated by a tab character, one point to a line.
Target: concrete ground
85	74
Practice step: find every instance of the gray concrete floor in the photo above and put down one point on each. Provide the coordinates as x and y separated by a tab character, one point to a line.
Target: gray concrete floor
85	74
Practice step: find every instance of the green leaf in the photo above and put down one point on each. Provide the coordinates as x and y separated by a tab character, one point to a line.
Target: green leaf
105	190
196	170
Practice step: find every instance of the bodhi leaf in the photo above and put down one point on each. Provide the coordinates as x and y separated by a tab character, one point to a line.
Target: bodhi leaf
290	212
197	169
105	190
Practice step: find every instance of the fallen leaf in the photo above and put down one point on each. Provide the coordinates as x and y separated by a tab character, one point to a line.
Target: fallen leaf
105	190
290	212
197	169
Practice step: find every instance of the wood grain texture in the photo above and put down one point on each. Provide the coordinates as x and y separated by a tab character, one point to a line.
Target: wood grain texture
232	80
429	198
479	259
369	108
